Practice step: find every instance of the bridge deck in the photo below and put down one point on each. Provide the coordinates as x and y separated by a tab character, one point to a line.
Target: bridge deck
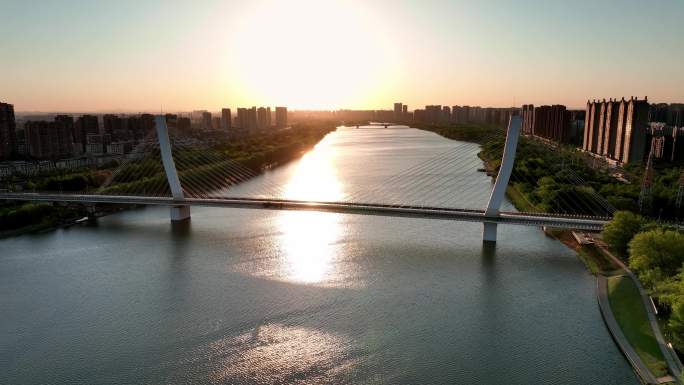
513	218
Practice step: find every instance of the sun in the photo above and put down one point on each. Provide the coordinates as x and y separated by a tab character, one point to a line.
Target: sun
311	54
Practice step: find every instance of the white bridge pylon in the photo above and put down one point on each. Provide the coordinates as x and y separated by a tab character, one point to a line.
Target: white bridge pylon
502	179
179	212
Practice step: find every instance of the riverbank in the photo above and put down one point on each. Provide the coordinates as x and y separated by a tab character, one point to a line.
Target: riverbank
622	305
637	317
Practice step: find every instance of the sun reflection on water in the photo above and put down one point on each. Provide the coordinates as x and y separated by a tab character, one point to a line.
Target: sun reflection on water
275	353
309	239
309	243
315	178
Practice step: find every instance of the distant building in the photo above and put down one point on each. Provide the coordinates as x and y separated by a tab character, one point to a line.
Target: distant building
49	140
384	115
263	118
96	144
147	126
171	119
241	118
118	127
64	124
398	110
196	117
437	114
670	114
433	114
354	116
8	135
527	114
460	114
206	120
445	116
617	130
184	124
667	142
120	148
252	120
247	119
554	123
226	119
216	123
281	117
85	125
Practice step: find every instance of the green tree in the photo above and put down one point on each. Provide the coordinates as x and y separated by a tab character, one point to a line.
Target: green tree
657	249
620	230
676	323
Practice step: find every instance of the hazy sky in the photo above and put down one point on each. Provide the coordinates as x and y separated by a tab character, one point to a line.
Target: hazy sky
181	55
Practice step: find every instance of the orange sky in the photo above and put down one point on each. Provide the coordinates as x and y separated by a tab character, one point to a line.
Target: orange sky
320	54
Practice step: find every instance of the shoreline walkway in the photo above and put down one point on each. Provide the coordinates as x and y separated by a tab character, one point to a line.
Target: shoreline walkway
673	363
632	356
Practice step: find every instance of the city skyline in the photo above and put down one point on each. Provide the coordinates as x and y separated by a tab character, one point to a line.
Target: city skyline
75	56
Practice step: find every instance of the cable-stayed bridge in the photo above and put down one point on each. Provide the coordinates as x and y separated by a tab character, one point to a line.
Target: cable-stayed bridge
174	170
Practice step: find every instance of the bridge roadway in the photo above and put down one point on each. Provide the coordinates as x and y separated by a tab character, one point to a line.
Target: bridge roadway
512	218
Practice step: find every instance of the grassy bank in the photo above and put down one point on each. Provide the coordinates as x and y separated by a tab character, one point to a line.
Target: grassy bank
630	314
596	261
23	218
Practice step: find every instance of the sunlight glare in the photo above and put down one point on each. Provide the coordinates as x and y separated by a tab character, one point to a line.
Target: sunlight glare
315	178
309	242
309	238
311	54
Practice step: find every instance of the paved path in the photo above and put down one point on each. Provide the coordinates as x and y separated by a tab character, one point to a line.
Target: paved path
673	363
639	366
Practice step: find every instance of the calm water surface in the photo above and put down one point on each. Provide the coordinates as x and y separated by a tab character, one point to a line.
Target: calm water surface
263	297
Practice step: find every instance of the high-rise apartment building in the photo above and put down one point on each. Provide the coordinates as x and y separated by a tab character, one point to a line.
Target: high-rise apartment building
281	117
184	124
206	120
552	123
226	119
247	119
50	140
670	114
241	118
617	130
85	125
460	114
263	118
433	114
8	136
216	123
64	125
398	110
527	115
445	116
252	120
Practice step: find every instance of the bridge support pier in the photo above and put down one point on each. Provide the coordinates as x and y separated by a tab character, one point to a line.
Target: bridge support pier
180	213
489	232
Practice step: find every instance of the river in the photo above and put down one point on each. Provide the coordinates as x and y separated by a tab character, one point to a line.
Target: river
262	297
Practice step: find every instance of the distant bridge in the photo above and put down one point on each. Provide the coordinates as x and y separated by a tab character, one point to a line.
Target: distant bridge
180	204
